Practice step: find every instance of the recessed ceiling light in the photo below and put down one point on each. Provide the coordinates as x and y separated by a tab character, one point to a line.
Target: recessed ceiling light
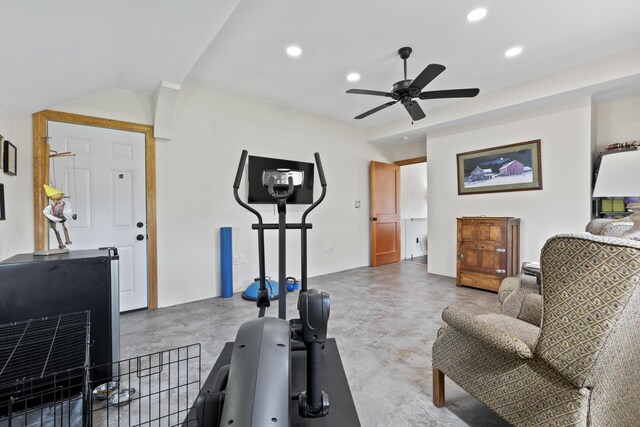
294	51
353	77
514	51
476	14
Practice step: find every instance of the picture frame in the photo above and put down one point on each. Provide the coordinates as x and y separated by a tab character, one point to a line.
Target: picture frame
2	211
513	167
10	158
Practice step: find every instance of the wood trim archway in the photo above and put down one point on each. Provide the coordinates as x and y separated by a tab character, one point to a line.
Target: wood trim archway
41	175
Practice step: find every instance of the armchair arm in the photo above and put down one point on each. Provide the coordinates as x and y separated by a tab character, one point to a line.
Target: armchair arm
488	334
508	285
531	311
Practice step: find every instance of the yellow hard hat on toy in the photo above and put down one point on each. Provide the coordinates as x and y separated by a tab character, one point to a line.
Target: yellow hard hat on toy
51	191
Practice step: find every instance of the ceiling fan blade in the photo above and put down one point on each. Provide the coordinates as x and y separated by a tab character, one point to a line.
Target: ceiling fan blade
427	75
415	111
375	110
450	93
368	92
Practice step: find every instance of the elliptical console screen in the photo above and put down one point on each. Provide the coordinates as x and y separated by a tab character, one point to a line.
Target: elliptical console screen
259	194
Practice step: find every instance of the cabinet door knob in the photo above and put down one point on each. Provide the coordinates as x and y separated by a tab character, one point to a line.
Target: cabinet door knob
139	237
373	218
460	256
501	271
479	247
501	250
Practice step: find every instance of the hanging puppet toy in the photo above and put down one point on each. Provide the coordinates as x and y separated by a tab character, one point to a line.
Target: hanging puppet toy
58	211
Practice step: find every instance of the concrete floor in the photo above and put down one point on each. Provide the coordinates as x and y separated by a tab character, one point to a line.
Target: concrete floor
384	320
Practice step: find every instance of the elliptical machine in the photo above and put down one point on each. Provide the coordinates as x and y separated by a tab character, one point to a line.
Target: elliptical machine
254	390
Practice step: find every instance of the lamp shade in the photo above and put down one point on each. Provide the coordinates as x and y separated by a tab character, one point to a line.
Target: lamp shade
619	175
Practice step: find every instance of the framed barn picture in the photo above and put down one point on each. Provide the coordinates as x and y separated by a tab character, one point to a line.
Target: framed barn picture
514	167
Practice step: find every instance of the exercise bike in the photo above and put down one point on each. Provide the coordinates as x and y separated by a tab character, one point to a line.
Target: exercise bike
254	389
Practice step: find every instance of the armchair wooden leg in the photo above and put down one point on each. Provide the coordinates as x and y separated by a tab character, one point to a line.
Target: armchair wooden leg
438	388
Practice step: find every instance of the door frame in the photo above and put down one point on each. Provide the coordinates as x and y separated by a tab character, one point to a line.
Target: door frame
412	161
41	175
405	162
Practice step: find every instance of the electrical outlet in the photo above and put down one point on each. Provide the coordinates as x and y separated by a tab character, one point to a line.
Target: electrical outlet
236	260
357	204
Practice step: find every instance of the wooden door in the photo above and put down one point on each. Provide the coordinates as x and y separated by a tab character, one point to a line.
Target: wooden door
107	185
384	184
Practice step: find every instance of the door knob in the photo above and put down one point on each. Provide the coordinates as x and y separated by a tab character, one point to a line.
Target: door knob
140	225
139	237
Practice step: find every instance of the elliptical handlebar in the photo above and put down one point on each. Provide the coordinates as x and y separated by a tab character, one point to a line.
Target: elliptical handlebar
278	196
323	183
236	186
243	160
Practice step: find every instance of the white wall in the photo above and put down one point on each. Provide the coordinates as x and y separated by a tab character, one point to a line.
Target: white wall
114	104
563	205
195	172
617	121
16	232
413	209
415	147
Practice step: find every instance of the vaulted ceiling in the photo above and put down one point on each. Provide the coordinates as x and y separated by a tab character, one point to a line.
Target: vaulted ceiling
54	52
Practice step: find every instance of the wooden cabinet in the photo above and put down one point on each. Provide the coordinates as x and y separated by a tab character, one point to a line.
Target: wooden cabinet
488	251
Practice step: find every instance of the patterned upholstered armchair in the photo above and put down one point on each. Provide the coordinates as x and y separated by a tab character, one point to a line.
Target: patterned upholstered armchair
608	227
519	295
582	367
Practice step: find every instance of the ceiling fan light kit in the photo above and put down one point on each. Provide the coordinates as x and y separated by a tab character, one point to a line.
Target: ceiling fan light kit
406	90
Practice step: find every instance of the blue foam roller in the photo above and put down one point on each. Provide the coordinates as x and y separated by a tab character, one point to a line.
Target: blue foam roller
226	263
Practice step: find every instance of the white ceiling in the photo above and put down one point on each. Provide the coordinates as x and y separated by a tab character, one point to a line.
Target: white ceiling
52	52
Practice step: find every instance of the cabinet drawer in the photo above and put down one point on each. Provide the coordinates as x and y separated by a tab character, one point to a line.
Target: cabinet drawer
490	282
483	232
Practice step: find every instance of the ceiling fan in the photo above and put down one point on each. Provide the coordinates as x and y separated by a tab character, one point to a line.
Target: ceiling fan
406	90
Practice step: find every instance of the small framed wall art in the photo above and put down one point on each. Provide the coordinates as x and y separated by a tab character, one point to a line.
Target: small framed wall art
513	167
10	158
2	212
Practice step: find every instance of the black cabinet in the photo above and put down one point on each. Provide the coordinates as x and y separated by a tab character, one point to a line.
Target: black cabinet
38	286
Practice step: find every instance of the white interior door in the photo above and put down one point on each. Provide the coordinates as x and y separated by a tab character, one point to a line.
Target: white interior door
108	193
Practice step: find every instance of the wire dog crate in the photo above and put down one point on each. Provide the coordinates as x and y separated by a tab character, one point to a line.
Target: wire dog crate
45	380
157	389
43	375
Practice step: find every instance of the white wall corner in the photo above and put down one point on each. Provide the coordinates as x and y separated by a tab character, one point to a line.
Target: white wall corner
166	101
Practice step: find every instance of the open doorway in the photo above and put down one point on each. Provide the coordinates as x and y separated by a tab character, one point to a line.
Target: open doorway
413	210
